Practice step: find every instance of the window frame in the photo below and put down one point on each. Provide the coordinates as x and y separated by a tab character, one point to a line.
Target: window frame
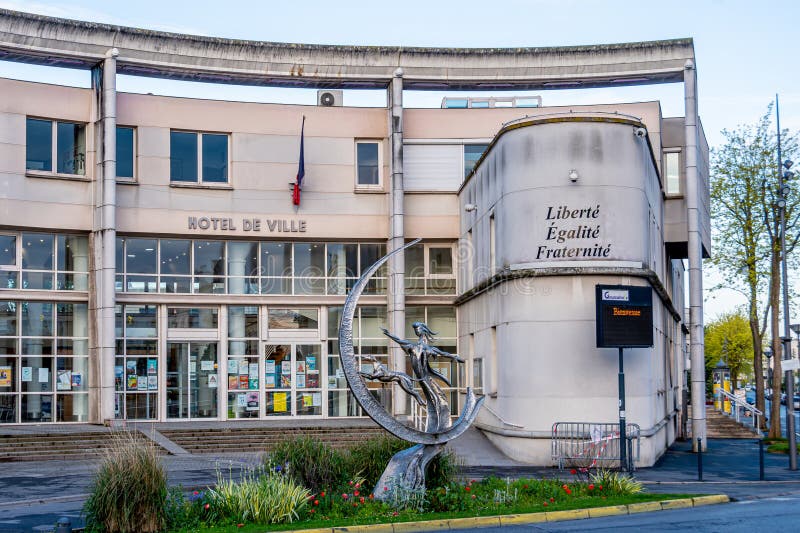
368	186
52	172
199	181
134	155
679	153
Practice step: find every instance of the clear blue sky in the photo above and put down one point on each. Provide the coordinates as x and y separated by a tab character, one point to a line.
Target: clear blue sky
746	50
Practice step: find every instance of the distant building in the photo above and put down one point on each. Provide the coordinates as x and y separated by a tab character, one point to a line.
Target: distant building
154	266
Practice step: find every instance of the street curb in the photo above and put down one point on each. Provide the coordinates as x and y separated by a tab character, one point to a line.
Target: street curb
522	519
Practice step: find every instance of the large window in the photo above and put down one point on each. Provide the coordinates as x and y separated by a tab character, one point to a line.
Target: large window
430	269
368	169
198	157
136	370
371	348
472	153
239	267
672	172
44	261
44	364
49	142
126	152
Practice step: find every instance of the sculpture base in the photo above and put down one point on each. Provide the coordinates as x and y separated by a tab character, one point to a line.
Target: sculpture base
405	473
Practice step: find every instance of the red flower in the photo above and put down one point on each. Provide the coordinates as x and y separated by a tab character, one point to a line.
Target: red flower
355	504
552	499
322	494
385	489
361	499
239	525
544	503
206	506
524	486
601	487
471	481
312	511
467	489
371	496
573	471
473	496
355	493
344	496
195	493
349	482
358	485
316	502
565	487
591	486
569	491
394	513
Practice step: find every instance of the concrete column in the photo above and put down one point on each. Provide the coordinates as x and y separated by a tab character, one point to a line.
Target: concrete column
396	293
105	236
698	374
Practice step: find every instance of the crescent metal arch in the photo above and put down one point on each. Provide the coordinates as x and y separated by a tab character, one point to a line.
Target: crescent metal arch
367	401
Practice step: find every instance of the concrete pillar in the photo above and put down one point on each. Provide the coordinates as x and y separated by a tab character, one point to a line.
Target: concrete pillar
396	294
696	347
105	234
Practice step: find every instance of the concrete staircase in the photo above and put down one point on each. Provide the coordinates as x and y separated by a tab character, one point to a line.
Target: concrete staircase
721	426
57	445
261	439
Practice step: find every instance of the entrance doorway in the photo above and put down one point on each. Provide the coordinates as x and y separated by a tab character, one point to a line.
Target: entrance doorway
192	380
292	379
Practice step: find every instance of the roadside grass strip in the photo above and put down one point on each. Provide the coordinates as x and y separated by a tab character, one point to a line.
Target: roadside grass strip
526	518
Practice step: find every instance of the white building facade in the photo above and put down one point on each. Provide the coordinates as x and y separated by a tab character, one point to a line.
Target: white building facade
155	268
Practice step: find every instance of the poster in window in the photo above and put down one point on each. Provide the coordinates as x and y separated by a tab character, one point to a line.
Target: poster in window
301	381
152	367
206	366
307	400
241	400
252	401
244	382
27	373
243	367
64	380
312	380
233	366
152	382
5	376
269	381
301	367
286	367
253	383
212	381
253	371
77	379
132	382
279	402
286	381
311	362
269	367
233	381
44	375
316	399
141	383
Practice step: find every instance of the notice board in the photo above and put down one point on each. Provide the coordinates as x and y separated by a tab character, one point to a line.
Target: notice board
624	316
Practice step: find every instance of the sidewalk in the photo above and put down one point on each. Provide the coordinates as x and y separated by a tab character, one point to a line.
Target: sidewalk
37	494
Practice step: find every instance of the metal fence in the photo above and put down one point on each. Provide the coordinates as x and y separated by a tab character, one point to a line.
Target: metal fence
589	445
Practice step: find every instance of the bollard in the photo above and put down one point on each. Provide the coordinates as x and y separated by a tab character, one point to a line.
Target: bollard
699	459
63	525
761	459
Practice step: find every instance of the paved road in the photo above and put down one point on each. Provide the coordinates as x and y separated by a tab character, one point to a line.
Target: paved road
773	514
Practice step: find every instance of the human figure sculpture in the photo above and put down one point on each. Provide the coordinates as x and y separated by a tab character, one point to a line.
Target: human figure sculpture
382	373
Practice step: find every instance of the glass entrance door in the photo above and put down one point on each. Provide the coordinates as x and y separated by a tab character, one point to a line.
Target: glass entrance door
192	380
292	379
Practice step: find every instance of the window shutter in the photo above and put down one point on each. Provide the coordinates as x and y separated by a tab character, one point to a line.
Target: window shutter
432	167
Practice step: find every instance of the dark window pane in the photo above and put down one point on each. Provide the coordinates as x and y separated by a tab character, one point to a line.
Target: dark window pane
73	253
72	320
182	156
415	261
176	257
215	158
198	317
141	321
39	144
343	260
37	251
440	260
309	259
120	255
209	257
472	152
8	318
8	250
125	155
70	148
141	256
276	259
371	253
367	154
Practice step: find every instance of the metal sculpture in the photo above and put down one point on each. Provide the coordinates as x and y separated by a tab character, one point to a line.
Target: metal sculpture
406	470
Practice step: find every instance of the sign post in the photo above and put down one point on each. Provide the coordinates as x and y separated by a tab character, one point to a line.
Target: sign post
624	320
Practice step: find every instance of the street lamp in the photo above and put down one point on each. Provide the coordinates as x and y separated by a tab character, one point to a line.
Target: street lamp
785	175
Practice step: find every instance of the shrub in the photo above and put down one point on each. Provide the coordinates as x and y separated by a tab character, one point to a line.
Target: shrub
370	457
129	491
271	498
616	483
309	462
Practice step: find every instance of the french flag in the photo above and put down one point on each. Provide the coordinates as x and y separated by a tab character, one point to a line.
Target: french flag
301	169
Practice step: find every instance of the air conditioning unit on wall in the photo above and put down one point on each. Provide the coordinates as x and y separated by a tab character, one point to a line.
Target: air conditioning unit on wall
329	98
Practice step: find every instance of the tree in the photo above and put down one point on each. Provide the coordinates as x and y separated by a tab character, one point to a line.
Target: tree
728	339
744	187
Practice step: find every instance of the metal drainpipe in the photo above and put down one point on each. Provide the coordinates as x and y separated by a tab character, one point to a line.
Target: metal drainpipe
108	234
698	375
397	300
